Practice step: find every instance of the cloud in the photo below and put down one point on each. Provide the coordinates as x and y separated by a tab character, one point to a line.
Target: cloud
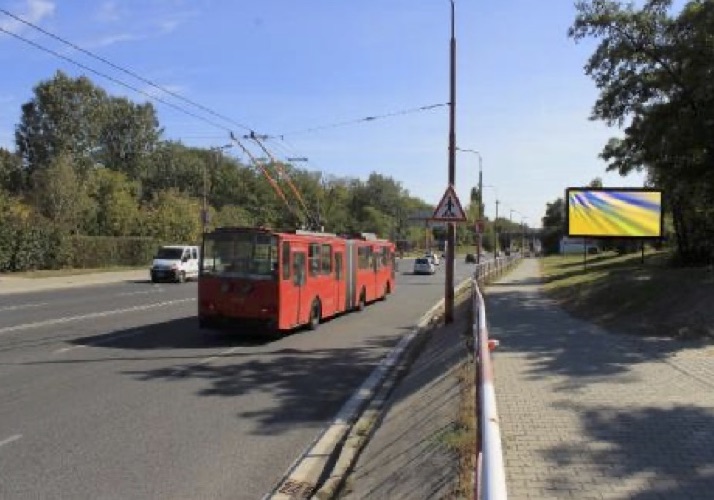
107	40
108	12
33	11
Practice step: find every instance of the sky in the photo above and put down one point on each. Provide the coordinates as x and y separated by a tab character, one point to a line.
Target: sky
284	67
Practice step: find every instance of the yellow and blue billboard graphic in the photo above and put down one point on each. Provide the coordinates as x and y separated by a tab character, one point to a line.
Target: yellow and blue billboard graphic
615	213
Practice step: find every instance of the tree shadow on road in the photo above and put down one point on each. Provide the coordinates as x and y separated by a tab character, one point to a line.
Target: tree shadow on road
300	385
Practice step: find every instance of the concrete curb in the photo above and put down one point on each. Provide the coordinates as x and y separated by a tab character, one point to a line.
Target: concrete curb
322	460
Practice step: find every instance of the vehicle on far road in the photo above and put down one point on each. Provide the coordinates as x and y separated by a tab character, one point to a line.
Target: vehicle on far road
176	263
424	265
433	257
470	258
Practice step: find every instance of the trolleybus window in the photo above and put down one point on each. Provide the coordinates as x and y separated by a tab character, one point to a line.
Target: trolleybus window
313	258
326	259
240	255
286	260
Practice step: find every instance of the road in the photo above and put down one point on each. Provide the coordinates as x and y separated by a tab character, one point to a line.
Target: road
112	392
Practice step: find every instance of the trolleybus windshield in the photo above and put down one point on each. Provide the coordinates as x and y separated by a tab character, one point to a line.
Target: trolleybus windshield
240	255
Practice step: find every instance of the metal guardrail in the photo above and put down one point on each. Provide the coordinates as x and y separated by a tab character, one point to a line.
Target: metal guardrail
489	478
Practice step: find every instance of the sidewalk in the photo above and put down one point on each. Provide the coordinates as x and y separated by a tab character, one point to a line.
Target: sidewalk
587	414
10	284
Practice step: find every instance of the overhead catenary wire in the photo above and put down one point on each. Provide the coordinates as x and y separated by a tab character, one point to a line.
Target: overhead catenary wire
282	173
122	69
267	175
115	80
362	120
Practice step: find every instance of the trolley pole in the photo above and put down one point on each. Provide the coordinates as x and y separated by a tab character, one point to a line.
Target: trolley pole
451	234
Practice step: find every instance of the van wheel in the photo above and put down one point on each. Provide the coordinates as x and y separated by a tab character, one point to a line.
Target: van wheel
182	277
315	315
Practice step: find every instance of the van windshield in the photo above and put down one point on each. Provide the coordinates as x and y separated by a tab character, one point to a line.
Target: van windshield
240	254
169	253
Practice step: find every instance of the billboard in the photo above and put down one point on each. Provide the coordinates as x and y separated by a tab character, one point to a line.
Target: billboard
614	212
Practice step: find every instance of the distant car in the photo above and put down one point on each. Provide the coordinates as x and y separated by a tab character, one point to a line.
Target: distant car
433	257
470	258
175	263
424	265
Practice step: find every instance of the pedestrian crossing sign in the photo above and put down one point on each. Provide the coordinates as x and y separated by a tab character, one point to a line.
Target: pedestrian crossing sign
449	208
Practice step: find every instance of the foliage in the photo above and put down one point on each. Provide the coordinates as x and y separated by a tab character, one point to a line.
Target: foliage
92	184
653	68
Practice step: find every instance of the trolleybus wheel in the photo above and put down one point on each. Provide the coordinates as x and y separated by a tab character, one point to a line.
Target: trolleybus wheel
315	314
362	302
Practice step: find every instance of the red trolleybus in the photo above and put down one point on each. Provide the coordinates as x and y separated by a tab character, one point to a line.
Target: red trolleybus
278	281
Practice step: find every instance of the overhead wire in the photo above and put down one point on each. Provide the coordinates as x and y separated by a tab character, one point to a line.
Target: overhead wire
364	119
267	175
123	70
115	80
283	174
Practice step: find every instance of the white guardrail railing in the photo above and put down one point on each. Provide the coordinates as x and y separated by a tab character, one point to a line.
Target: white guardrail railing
489	478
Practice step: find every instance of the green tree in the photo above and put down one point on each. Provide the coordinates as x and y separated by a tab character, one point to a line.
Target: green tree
116	209
65	116
173	217
653	69
553	226
59	194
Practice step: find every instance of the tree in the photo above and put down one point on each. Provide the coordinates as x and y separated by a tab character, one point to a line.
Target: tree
58	193
12	178
173	217
553	226
116	210
65	116
129	133
653	70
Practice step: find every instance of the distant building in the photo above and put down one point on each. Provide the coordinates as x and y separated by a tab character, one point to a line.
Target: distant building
570	245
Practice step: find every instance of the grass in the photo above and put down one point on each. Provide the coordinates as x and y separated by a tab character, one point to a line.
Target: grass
621	293
55	273
462	439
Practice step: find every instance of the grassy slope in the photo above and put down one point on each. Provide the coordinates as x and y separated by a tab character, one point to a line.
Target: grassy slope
621	293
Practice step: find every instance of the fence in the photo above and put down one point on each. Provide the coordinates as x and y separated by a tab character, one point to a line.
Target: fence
489	474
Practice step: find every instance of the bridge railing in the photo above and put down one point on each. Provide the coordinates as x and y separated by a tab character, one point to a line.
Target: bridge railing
489	477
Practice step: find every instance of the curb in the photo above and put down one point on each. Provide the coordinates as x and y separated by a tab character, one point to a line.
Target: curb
321	468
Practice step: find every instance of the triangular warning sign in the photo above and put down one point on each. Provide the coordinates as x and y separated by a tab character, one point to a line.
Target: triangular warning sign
449	208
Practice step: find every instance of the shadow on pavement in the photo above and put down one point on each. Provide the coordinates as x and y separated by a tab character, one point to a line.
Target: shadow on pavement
672	448
558	343
302	386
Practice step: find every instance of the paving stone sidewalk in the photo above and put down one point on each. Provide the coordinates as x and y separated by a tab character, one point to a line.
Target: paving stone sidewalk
588	414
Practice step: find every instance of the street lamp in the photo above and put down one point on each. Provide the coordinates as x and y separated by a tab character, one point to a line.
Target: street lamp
480	197
495	220
204	208
451	234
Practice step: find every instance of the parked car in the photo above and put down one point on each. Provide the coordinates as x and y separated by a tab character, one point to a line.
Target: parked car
176	263
424	265
470	258
433	257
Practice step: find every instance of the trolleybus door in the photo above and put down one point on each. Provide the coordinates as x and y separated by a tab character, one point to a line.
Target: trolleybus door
299	275
339	280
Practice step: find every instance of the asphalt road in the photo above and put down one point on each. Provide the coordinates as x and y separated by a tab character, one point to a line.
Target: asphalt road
112	391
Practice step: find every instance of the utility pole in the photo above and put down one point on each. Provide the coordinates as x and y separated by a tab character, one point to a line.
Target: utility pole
496	232
451	235
480	210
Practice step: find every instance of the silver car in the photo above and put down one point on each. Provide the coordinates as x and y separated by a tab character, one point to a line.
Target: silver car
424	266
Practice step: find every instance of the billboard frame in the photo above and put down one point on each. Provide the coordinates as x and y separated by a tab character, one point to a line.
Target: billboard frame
615	189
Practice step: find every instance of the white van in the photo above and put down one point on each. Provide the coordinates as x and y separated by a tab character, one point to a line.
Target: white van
175	263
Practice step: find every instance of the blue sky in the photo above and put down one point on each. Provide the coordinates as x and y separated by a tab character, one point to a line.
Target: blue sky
281	66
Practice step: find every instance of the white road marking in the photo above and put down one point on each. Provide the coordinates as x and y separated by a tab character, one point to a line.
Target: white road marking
100	342
23	306
10	439
143	292
102	314
206	361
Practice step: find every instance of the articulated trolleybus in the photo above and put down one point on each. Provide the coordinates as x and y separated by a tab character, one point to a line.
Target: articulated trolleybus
279	281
